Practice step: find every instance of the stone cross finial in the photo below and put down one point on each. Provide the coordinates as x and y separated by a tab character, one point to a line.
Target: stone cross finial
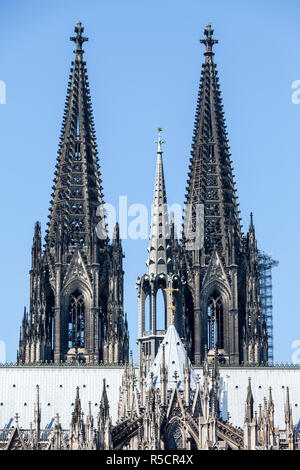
78	39
208	41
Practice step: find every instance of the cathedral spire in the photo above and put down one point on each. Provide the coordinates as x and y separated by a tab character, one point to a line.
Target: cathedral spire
215	256
76	281
251	222
104	405
77	190
76	415
289	426
160	226
37	418
210	177
288	410
249	403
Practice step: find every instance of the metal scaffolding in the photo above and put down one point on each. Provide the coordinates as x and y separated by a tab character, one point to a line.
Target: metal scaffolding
266	263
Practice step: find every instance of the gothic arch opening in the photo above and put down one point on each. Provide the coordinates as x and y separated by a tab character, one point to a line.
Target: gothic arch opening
147	313
161	310
76	320
175	438
215	321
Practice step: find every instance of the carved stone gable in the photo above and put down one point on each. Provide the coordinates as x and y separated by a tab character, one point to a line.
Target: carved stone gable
76	270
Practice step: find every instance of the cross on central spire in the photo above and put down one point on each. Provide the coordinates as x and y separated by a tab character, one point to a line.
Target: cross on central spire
159	140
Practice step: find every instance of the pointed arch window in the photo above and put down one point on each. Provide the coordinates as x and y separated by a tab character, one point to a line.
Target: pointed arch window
175	438
215	319
76	320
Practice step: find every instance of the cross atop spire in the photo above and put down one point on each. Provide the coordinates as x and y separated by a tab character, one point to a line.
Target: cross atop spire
159	140
79	39
209	41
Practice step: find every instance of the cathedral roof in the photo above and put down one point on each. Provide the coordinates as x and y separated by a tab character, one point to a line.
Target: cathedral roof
172	355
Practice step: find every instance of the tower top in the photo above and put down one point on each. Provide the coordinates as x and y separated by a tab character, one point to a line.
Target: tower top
77	192
159	140
79	39
210	177
209	41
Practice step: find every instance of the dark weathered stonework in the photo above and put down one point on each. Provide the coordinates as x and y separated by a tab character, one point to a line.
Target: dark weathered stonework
222	278
212	275
212	307
76	279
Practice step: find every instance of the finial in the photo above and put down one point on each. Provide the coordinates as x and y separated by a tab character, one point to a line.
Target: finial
270	395
159	140
251	221
172	308
208	41
78	39
176	377
116	236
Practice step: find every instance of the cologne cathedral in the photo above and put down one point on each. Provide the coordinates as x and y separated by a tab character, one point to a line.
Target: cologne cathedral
203	381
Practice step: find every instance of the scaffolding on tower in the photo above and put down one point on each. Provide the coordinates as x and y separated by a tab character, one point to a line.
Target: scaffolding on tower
266	263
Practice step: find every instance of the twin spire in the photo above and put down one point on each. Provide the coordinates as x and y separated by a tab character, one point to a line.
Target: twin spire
210	177
77	191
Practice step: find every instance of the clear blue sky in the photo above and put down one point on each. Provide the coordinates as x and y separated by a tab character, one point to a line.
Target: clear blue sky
144	61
